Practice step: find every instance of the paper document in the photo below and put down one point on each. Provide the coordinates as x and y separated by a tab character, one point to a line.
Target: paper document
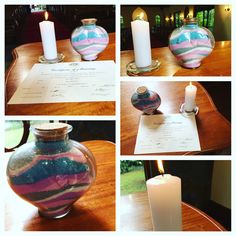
67	82
167	133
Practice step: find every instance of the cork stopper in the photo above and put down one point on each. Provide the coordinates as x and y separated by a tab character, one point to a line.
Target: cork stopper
141	90
51	131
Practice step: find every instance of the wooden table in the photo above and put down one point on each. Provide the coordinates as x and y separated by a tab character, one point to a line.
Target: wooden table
25	56
218	63
94	211
136	216
213	129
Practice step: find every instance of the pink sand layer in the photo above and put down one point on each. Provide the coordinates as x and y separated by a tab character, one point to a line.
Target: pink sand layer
193	43
86	42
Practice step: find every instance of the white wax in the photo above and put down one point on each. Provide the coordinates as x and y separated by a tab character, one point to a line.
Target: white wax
141	42
164	193
190	95
48	39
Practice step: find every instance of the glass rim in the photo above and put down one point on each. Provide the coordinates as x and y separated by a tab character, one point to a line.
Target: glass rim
89	21
191	20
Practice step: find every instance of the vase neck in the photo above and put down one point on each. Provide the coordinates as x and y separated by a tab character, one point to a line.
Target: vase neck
62	139
191	22
53	147
143	92
52	136
89	23
51	131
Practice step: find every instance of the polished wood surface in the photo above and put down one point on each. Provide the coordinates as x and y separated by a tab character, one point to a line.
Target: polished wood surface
25	56
94	211
218	63
136	216
213	129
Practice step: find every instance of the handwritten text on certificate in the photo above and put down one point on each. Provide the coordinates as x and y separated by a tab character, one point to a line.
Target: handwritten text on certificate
67	82
167	133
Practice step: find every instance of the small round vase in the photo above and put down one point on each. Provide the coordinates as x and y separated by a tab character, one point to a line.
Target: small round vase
89	39
145	100
53	171
191	43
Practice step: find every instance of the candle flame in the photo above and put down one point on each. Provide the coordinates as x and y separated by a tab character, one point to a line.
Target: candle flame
160	167
46	15
141	15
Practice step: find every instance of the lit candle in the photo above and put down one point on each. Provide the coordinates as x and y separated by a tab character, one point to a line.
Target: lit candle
164	194
48	38
190	95
141	39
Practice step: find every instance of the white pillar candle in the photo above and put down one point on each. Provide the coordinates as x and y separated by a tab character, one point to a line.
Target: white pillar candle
48	39
141	43
164	194
190	95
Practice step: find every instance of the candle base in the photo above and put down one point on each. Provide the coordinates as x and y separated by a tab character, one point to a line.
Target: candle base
132	69
60	57
188	113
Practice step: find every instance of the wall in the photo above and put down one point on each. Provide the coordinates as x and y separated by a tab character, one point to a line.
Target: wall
221	183
222	29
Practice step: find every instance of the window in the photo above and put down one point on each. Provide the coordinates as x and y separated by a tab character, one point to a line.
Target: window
206	18
200	18
177	20
132	179
38	8
158	21
17	133
211	19
122	22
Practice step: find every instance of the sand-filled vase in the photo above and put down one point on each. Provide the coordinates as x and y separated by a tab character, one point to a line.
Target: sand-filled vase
146	100
191	43
89	39
53	171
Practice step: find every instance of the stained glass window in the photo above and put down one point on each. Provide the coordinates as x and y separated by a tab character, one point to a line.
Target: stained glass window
122	22
177	19
158	21
211	19
206	18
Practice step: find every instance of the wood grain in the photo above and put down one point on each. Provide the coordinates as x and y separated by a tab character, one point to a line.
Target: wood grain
94	211
218	63
25	56
213	129
136	216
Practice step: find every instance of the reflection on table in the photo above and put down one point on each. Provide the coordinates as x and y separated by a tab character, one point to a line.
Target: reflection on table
136	216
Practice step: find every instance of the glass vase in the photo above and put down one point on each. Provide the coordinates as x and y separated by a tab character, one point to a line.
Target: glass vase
89	39
191	43
146	100
52	172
